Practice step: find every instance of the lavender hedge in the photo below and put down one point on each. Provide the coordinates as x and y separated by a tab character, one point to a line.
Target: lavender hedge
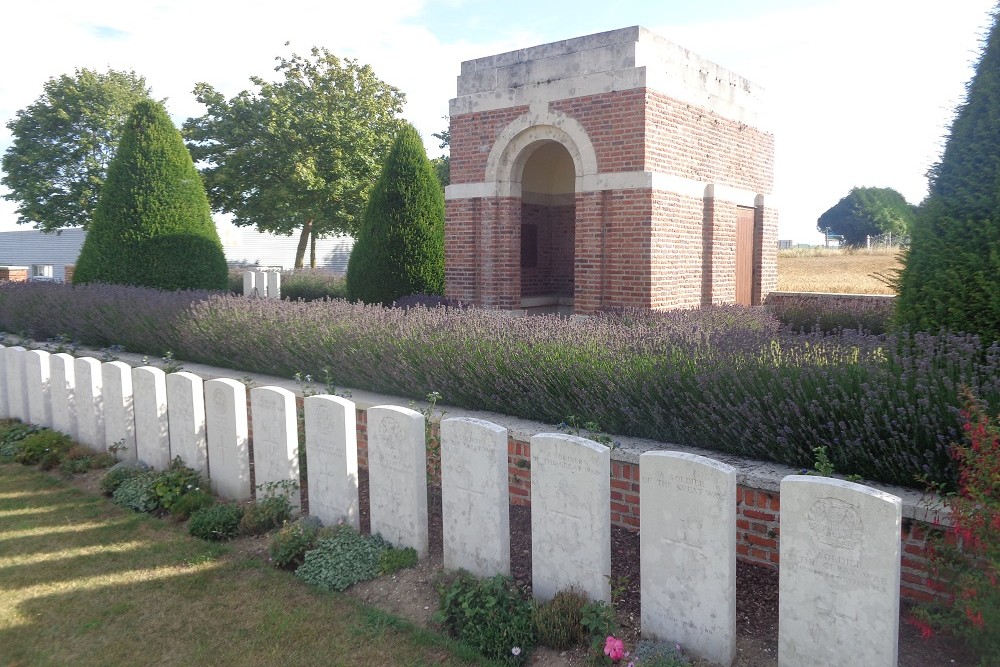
726	379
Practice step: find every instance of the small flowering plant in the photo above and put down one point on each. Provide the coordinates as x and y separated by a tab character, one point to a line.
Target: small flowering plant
967	555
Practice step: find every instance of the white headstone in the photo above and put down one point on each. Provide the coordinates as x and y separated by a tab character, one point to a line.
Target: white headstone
17	390
273	285
475	502
4	403
186	416
260	281
37	375
228	453
62	375
570	516
90	403
688	553
332	457
397	476
152	437
119	412
275	442
249	283
839	576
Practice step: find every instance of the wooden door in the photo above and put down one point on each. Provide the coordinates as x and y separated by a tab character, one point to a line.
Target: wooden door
744	256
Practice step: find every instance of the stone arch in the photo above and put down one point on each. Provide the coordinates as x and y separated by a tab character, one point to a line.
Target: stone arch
516	143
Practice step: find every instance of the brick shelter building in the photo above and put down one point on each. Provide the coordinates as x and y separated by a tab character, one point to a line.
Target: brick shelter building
616	169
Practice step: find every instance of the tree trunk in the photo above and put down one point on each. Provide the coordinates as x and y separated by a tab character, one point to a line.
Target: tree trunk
312	250
300	251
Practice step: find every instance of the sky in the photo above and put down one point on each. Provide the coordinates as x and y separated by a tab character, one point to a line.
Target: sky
857	92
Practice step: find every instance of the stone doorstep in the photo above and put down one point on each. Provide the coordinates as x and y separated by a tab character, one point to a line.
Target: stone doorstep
751	473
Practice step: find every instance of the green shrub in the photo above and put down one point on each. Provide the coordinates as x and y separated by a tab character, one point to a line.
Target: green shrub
658	654
289	545
12	433
152	225
491	615
400	247
951	273
558	622
44	446
312	285
265	514
175	482
189	503
138	492
599	622
345	558
120	472
79	459
393	560
217	522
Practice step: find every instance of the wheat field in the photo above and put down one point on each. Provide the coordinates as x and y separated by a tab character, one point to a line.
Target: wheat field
836	270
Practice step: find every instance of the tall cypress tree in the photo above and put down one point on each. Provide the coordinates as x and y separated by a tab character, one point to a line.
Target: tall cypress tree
951	273
400	248
152	225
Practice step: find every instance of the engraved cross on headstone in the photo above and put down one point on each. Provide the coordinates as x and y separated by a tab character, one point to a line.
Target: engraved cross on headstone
832	613
687	538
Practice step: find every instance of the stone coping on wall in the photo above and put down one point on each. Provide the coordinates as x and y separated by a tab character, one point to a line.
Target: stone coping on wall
751	473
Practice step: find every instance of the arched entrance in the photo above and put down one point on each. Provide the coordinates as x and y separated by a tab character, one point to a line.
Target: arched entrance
547	229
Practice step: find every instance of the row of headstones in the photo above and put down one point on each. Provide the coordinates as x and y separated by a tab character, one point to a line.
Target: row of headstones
840	544
264	284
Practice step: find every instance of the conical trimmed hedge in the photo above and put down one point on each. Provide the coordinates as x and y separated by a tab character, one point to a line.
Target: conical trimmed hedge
951	273
152	226
400	247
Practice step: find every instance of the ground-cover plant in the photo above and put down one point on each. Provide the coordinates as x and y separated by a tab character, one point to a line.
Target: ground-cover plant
120	472
265	514
289	545
723	378
138	492
12	433
492	615
658	654
967	555
346	557
79	459
216	522
44	447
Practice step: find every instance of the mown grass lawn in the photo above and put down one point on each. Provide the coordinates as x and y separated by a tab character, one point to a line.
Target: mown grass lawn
83	582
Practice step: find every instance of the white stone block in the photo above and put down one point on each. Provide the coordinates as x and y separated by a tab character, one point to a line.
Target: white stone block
275	442
688	553
62	374
570	516
273	285
4	402
332	458
261	283
37	377
186	418
152	436
249	283
17	389
839	576
474	496
397	476
89	398
119	410
228	451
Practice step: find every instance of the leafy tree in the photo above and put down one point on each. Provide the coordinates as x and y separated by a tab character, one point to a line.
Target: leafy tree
868	212
951	273
152	226
300	154
63	143
442	165
400	248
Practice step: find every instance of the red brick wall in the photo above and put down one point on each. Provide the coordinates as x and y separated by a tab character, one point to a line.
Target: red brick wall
633	247
691	142
476	133
13	275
